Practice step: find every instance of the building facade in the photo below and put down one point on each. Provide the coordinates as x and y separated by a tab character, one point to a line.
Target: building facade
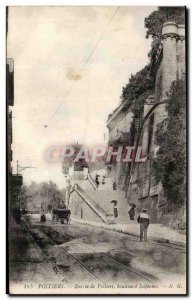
119	126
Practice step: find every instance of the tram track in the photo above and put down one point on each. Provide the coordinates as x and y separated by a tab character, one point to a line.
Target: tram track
107	261
80	264
139	274
61	250
142	275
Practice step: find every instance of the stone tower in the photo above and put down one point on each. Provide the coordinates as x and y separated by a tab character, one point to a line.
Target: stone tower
173	60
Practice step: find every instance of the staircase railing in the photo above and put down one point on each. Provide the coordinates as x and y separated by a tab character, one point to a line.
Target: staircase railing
95	207
90	178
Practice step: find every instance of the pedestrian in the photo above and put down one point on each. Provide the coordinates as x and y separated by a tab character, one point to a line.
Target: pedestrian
97	180
114	186
115	210
131	212
143	220
43	216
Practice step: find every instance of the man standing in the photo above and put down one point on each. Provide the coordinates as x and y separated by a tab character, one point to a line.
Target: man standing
143	220
62	205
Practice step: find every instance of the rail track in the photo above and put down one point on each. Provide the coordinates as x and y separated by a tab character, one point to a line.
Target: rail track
129	270
137	272
110	261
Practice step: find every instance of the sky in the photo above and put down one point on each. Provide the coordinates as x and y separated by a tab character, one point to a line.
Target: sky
59	99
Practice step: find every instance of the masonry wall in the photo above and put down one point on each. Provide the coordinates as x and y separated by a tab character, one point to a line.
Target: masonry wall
158	83
142	189
181	57
169	64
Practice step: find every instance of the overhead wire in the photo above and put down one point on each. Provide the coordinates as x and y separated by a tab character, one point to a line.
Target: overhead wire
83	67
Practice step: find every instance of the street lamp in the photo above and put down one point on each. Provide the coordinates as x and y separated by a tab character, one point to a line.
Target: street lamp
19	168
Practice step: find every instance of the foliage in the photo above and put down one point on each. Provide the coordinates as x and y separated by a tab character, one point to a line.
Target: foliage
155	21
68	161
37	194
170	164
161	132
141	84
139	87
138	104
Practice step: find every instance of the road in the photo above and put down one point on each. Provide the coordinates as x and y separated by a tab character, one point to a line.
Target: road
81	255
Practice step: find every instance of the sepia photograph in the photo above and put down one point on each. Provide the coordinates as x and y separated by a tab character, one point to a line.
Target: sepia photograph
96	143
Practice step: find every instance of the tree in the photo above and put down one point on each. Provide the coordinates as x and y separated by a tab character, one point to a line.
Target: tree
24	196
41	194
155	21
68	161
50	193
137	85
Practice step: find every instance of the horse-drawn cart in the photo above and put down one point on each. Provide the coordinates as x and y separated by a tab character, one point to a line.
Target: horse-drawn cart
61	215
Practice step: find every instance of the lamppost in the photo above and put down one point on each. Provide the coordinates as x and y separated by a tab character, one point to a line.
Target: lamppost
23	168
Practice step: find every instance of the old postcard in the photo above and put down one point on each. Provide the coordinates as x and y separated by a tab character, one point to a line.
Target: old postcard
96	150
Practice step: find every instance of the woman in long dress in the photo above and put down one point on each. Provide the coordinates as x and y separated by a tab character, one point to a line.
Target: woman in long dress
131	212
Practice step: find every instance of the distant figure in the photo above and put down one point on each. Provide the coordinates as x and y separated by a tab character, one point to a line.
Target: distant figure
115	210
62	205
114	186
131	212
97	180
143	220
103	180
23	211
43	217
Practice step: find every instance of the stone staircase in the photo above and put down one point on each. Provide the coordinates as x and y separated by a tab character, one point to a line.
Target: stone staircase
103	195
90	201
